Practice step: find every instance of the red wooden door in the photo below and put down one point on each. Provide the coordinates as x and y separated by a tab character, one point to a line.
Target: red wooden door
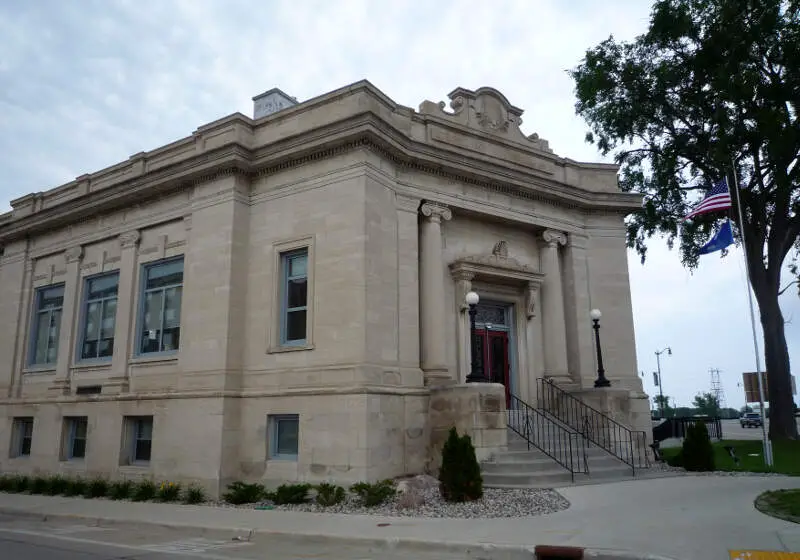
496	365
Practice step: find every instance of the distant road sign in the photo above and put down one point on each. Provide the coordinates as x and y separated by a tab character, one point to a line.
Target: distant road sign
750	382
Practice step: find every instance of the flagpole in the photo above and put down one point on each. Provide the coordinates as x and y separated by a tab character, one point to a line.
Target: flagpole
765	439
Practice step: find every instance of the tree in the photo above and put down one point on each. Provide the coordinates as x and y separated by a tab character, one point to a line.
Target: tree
707	403
658	400
746	409
711	87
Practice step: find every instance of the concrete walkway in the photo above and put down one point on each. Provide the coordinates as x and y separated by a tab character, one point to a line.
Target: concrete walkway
686	518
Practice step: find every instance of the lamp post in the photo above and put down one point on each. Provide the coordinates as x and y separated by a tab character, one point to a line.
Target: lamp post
476	367
601	380
668	350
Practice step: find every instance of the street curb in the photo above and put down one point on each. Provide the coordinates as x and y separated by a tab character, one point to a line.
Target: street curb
470	550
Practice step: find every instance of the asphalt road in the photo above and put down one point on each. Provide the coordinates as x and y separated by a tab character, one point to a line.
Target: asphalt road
29	539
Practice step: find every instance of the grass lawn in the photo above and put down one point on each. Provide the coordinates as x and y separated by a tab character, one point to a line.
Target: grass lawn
783	504
786	455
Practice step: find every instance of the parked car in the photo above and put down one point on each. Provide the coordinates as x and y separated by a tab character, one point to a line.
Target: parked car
751	420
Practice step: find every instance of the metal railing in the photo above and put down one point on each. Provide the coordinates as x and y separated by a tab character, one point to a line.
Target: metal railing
629	446
676	427
564	446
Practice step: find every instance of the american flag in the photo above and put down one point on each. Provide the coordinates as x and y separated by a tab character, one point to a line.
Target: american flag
718	198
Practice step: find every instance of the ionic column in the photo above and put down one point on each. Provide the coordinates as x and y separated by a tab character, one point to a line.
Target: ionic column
432	298
554	327
123	325
66	337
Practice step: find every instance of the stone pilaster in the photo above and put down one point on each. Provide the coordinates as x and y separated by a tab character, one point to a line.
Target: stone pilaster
554	326
463	280
432	294
66	338
124	322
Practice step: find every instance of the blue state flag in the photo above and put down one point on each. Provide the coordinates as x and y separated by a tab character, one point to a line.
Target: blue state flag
722	239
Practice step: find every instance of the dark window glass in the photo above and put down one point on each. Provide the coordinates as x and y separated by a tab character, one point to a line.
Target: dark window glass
100	317
161	308
295	297
286	436
47	325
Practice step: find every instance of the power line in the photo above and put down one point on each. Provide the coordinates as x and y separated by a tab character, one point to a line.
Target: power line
716	387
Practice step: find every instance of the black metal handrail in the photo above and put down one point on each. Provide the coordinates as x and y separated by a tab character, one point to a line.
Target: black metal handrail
629	446
564	446
676	427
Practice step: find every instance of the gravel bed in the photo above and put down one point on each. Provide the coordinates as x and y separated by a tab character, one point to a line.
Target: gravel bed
664	467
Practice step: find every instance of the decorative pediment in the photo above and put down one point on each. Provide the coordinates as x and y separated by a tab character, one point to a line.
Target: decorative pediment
488	110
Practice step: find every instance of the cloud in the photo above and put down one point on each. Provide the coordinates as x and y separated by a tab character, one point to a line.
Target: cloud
85	85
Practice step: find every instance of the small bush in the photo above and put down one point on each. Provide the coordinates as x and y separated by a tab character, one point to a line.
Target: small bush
145	490
194	495
39	485
6	483
697	452
169	492
243	493
291	494
460	473
329	494
120	490
97	488
76	487
57	485
20	483
372	495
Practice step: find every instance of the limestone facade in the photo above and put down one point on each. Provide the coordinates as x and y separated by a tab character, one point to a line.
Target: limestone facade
213	356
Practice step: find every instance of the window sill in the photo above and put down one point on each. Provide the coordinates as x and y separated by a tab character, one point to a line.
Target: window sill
170	357
87	365
77	464
282	459
135	467
39	370
288	348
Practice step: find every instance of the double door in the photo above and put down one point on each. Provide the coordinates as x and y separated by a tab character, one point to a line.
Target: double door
493	350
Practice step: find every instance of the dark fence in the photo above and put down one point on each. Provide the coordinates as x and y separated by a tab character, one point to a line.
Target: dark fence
676	427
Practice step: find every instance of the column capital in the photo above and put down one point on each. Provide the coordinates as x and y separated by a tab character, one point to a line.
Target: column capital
553	237
129	239
436	212
73	254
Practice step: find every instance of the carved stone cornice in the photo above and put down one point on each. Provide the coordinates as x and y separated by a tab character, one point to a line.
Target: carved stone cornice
497	268
554	238
436	212
73	254
129	239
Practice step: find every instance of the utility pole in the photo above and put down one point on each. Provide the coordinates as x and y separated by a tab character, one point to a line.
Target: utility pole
668	350
716	388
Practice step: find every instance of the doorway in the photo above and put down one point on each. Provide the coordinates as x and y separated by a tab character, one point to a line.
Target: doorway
495	343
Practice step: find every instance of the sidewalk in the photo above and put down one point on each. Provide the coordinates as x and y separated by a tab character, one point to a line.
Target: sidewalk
686	518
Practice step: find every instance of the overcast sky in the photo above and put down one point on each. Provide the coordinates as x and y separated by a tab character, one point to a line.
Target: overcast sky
87	83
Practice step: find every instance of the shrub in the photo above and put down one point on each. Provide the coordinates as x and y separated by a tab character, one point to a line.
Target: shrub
243	493
194	495
169	491
374	494
291	494
39	485
698	454
120	490
460	474
57	485
20	483
145	490
97	488
6	483
76	487
329	494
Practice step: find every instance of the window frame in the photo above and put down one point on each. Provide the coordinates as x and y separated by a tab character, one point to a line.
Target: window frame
85	301
34	326
71	429
18	436
273	422
141	311
285	260
131	426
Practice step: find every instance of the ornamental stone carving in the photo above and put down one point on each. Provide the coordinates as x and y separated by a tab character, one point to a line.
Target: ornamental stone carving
553	238
436	212
129	239
73	254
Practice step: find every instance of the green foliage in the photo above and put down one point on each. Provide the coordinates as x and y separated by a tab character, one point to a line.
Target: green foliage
120	490
39	485
786	454
6	483
244	493
707	403
57	485
20	483
290	494
375	494
76	487
168	492
460	474
194	495
697	453
97	488
144	490
329	494
709	88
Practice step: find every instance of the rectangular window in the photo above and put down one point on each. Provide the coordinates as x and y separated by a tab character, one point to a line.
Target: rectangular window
160	318
284	430
139	442
99	317
75	429
294	297
49	302
21	437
